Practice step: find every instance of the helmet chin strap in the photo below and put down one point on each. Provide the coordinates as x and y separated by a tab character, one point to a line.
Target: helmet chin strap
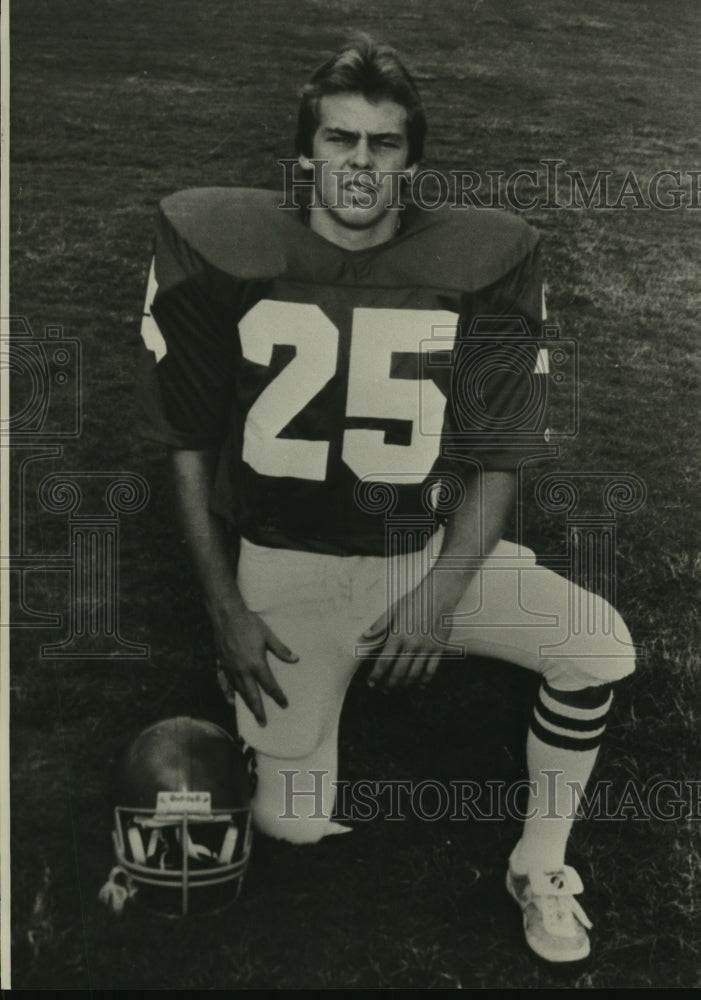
113	893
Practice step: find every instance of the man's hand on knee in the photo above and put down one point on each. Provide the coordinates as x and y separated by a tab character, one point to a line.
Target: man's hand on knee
411	638
243	640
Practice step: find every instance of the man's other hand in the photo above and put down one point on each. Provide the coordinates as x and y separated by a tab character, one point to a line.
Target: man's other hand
243	641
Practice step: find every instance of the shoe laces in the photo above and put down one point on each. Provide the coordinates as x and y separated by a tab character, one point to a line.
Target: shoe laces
559	908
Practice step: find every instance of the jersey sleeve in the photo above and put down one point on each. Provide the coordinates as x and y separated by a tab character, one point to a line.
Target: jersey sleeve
185	391
499	389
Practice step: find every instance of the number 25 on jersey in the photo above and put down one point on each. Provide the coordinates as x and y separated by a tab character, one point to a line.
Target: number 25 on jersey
376	335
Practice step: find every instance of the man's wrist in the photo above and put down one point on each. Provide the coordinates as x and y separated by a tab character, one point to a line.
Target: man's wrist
225	603
447	585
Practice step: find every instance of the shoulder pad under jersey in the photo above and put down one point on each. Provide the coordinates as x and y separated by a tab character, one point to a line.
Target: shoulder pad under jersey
243	232
462	248
240	231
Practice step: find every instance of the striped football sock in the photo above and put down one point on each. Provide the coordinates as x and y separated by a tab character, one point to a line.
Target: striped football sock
562	746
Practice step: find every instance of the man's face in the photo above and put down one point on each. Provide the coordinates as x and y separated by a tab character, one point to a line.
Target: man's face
359	142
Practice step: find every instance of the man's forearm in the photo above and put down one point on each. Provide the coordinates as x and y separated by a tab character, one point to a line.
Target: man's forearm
242	638
205	535
473	531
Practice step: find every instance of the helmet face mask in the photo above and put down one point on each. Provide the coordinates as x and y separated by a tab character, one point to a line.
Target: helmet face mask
182	824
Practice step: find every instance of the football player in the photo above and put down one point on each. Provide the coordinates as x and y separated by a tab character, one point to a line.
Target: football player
347	389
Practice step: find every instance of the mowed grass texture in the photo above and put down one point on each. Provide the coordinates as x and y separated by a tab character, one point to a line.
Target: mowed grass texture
118	103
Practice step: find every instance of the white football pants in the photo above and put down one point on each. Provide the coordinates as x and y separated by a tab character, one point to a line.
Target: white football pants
319	606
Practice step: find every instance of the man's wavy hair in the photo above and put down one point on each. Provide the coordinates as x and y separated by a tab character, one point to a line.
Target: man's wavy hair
375	71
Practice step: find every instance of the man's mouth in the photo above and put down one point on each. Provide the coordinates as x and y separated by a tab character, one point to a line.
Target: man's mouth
363	183
360	192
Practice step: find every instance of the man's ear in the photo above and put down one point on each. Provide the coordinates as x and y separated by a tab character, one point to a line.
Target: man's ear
408	175
304	162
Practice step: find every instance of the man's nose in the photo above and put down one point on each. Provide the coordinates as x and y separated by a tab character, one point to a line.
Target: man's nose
361	156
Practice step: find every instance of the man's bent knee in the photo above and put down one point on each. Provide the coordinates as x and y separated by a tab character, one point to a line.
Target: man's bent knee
585	660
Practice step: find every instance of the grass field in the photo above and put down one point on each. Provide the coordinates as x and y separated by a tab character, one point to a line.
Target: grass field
118	103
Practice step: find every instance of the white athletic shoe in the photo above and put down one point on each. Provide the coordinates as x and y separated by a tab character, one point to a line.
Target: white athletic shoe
555	924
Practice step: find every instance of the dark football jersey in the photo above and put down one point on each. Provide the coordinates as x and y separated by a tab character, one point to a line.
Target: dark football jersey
345	391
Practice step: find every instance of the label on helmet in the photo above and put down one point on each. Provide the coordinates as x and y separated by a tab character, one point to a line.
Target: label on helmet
179	802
